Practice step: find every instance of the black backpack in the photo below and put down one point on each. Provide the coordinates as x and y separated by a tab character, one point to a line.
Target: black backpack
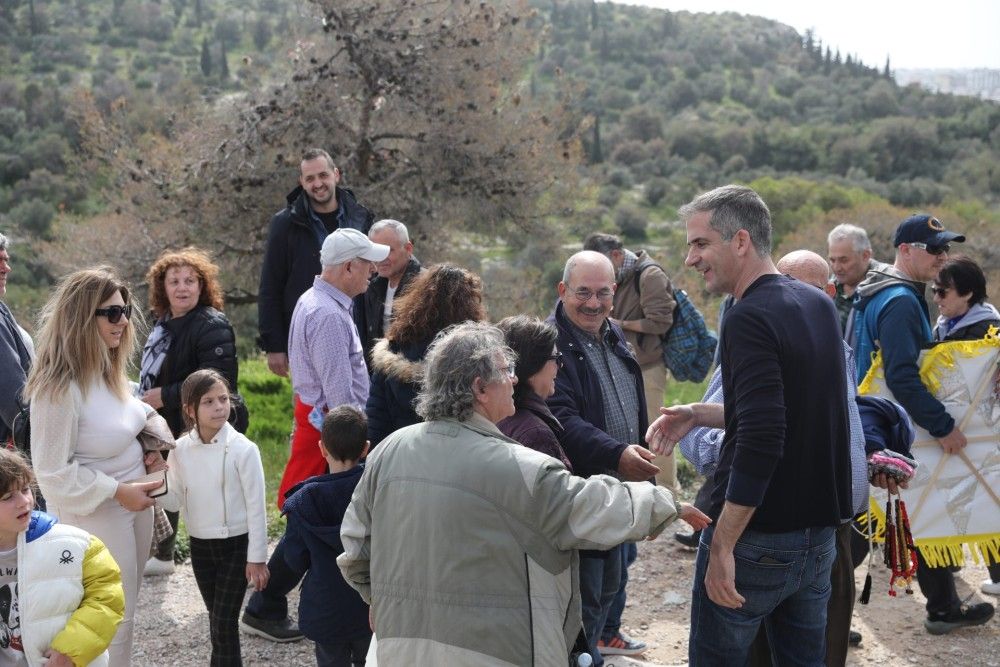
689	345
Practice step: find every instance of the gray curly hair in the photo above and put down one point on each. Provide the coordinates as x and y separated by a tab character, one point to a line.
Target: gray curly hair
456	357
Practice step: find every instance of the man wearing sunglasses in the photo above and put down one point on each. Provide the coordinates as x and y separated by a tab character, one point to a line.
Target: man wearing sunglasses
892	317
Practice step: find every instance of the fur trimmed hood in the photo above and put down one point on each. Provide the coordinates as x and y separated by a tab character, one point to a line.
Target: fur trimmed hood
405	365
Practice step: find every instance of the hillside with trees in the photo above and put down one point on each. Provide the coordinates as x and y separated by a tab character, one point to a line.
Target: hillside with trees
498	131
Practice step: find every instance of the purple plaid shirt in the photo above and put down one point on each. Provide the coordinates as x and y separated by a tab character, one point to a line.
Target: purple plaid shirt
324	351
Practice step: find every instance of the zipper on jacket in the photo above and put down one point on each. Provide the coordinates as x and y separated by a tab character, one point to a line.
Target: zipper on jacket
225	512
531	620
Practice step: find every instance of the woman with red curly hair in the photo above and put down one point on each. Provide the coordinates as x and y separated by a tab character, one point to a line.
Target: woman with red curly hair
438	298
190	332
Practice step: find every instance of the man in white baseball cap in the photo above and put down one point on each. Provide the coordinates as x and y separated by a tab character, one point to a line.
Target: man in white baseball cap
324	351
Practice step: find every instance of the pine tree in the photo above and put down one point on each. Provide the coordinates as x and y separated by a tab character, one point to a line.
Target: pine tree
206	58
224	64
887	73
596	154
827	61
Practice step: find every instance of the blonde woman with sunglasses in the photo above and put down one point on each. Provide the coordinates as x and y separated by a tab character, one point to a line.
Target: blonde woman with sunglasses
84	423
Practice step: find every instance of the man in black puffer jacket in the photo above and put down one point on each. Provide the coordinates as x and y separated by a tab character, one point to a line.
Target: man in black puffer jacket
317	207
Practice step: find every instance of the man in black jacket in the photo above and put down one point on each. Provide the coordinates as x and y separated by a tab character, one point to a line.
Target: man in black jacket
15	355
395	273
317	207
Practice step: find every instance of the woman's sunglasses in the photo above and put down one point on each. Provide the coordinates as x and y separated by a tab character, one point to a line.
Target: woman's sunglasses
114	313
940	291
557	357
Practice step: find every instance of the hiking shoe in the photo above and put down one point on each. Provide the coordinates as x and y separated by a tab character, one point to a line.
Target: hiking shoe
942	624
853	638
990	587
281	631
621	644
689	540
157	568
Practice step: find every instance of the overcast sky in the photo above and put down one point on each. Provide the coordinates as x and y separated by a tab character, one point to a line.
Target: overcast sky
955	33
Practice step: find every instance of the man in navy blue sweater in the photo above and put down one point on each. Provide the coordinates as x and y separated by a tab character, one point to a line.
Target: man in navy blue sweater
783	479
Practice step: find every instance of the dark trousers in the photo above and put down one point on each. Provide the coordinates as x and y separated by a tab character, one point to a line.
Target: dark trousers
343	654
703	499
272	602
938	586
614	622
599	582
220	570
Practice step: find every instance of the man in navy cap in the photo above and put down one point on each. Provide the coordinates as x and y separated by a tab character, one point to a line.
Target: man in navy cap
892	316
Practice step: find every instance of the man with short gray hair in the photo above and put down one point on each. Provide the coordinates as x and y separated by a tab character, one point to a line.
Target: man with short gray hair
395	273
16	353
850	255
782	483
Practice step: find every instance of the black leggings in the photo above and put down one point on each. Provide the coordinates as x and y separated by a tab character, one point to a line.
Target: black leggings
220	570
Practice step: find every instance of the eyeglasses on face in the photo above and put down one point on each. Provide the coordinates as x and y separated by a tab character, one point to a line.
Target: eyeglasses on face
939	291
558	358
584	294
933	249
509	370
114	313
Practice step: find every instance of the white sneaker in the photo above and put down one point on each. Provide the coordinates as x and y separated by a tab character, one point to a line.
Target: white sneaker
158	568
990	587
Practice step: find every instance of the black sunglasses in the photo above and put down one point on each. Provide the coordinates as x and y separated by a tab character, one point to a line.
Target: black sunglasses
558	358
933	249
940	291
114	313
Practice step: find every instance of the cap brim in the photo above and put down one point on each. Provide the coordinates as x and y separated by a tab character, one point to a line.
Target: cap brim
376	253
946	237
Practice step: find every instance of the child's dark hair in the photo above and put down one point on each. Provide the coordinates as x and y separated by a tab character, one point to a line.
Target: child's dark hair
15	471
195	386
345	432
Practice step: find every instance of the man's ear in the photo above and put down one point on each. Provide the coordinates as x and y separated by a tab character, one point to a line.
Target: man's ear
561	289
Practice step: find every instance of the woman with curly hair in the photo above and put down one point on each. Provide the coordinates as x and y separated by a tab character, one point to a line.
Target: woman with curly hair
190	333
85	422
440	297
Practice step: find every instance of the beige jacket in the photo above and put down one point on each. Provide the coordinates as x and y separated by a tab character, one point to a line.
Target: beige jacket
651	306
464	544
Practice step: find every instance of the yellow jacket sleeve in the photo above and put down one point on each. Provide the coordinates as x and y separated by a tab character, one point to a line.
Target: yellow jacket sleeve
92	626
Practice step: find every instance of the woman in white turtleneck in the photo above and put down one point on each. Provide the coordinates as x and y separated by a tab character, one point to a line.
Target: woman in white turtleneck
84	423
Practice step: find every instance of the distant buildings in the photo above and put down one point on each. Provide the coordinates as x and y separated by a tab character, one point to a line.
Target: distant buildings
984	83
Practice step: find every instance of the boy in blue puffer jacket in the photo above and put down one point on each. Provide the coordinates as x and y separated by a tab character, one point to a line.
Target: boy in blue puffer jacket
61	596
331	613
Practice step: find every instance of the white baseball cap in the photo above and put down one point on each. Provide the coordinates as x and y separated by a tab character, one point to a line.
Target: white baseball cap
344	245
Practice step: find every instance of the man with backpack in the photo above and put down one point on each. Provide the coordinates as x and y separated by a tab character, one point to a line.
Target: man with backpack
644	309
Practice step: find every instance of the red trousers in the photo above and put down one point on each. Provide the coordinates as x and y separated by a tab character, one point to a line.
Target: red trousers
305	459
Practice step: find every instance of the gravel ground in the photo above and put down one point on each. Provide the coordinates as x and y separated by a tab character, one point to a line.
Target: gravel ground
172	624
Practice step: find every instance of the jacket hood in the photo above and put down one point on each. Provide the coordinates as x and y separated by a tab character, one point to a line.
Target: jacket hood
40	524
980	312
404	365
885	275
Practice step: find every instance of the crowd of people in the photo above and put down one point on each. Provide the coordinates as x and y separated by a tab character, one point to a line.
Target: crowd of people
469	492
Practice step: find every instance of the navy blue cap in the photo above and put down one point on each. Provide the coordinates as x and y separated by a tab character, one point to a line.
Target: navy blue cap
924	228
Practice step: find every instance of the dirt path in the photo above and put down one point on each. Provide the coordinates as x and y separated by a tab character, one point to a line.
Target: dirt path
172	624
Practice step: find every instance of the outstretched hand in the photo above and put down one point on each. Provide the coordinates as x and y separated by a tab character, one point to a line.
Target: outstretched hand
673	424
694	517
634	464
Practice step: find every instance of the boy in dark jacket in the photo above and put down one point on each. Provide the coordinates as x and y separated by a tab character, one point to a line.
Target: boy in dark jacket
331	613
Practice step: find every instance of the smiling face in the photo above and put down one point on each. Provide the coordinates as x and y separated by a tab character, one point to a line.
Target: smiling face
319	179
183	289
543	382
592	275
111	332
393	266
15	513
710	255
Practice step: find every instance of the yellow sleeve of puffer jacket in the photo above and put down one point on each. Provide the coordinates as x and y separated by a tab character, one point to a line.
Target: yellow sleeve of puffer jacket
92	626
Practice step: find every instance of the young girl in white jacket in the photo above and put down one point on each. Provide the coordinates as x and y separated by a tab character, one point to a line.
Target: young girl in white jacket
216	480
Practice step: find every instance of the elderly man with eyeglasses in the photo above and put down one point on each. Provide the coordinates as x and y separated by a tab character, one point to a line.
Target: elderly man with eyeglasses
892	316
599	400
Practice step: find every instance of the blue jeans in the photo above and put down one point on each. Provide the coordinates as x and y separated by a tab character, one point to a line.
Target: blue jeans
599	581
785	579
614	622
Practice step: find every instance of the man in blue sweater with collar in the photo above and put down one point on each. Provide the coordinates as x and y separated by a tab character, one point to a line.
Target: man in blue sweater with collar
783	479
